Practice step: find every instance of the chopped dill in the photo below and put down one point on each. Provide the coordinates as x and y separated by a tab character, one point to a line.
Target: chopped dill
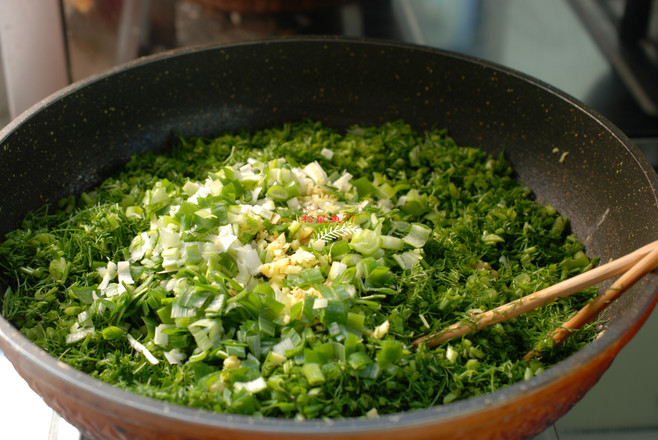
176	278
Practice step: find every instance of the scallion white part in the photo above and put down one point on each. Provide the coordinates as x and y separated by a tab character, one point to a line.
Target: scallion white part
142	349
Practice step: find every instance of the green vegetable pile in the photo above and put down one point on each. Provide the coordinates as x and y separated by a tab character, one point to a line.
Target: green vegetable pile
284	273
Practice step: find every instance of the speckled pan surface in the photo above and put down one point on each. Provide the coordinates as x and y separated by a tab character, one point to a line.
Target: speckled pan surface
570	156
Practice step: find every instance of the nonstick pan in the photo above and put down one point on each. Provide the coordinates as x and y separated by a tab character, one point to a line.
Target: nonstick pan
571	157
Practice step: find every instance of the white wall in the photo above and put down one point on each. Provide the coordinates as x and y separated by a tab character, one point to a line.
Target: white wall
33	51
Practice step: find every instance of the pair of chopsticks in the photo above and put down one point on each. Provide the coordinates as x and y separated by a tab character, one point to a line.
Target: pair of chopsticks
633	266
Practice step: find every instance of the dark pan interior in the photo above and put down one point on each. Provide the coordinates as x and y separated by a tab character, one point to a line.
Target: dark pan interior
568	155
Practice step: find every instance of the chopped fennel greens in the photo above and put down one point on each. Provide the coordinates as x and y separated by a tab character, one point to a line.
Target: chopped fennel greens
284	273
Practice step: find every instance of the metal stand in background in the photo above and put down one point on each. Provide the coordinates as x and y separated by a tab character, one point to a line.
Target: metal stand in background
623	30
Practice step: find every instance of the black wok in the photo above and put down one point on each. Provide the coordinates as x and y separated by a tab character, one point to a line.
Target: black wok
70	141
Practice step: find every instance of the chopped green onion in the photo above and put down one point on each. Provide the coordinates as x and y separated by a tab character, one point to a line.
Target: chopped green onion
418	235
366	242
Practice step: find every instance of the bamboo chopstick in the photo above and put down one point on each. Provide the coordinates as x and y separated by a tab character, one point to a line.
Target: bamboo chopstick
551	293
603	300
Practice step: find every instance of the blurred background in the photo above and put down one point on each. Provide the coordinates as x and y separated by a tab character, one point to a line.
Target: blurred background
602	52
